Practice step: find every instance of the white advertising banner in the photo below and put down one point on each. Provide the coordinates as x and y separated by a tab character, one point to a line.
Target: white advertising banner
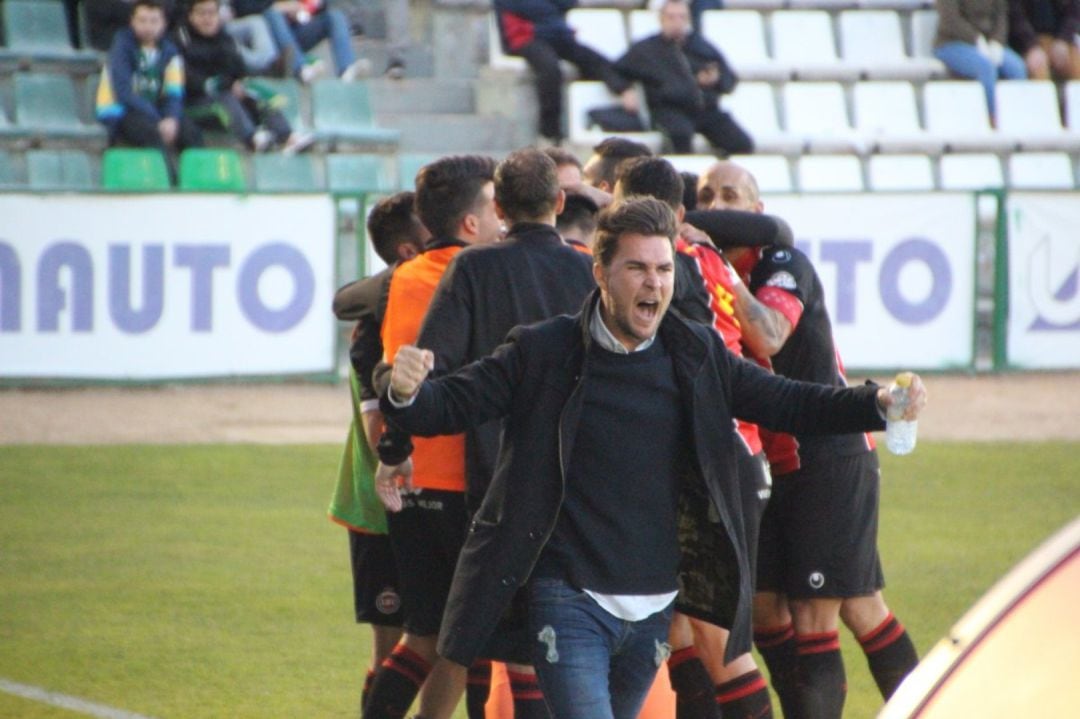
165	286
898	273
1043	326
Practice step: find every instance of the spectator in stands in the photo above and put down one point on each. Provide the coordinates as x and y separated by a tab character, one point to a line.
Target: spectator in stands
300	25
104	18
684	76
537	31
215	92
141	96
1044	33
253	39
971	42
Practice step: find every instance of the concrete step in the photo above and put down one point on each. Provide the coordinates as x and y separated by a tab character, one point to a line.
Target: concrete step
446	133
422	95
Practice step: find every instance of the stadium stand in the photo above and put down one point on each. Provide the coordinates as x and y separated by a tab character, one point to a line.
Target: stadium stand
1029	110
804	41
830	173
46	107
740	35
132	169
585	95
602	29
753	105
9	175
974	171
35	31
873	41
887	115
359	173
59	170
889	173
1040	171
956	114
343	115
212	169
773	172
408	164
274	172
816	112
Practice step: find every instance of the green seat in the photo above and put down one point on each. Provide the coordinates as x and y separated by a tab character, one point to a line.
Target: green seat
359	173
287	94
212	170
275	172
45	103
342	114
134	170
59	170
409	163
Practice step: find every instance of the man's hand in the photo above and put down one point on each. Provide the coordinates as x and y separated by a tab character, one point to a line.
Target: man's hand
916	398
411	368
629	101
387	486
695	236
708	75
168	129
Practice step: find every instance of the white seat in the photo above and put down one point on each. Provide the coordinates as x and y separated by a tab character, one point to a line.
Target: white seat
753	106
643	24
1072	105
1040	171
887	173
873	41
816	112
1028	109
753	4
583	96
821	4
772	172
830	173
975	171
923	30
907	5
496	57
602	29
696	164
740	35
803	40
887	115
956	114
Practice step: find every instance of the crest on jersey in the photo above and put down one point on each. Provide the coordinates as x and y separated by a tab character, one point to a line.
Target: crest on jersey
781	256
783	280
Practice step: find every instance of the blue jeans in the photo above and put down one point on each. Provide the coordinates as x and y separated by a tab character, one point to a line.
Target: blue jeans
963	59
590	664
299	38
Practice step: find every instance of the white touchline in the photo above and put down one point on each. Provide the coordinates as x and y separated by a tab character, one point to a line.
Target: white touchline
64	701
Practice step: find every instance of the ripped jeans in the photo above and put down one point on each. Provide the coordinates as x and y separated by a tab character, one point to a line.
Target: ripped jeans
590	664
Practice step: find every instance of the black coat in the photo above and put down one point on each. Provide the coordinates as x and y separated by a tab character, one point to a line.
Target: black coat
534	383
206	58
669	80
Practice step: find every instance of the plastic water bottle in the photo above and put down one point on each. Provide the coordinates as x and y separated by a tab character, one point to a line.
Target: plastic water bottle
900	433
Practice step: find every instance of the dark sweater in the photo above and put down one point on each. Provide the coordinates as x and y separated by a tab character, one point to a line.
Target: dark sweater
211	63
616	532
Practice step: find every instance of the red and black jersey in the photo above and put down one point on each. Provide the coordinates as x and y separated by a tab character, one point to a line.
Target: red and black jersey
785	280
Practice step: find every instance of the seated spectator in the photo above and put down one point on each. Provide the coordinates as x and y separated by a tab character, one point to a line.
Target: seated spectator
141	96
537	31
105	17
215	92
684	76
300	25
1044	32
253	39
971	42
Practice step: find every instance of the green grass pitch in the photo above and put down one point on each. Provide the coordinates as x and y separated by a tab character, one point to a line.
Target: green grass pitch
206	581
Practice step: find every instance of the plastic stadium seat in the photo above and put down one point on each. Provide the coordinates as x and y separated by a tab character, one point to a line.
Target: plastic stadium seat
753	4
740	35
643	23
803	39
821	4
887	115
289	99
342	112
496	57
359	173
830	173
873	41
772	172
923	29
59	170
956	114
9	131
586	95
907	5
212	170
1040	171
46	105
1072	105
275	172
602	29
753	105
409	164
37	30
1028	109
134	169
900	172
977	171
9	176
817	113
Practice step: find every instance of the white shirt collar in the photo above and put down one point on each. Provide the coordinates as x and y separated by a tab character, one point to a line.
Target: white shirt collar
603	337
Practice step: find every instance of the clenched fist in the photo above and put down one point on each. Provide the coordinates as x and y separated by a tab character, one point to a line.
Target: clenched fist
411	368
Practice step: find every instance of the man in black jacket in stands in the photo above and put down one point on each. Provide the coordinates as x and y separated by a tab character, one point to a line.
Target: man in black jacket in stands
684	77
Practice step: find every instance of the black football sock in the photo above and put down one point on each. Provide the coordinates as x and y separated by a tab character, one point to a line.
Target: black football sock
477	688
890	654
528	699
694	693
745	697
368	679
396	684
776	645
821	684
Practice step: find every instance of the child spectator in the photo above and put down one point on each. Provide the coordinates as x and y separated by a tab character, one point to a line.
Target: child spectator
216	94
141	96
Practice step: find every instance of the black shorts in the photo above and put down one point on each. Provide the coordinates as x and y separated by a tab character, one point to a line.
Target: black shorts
427	536
819	531
375	583
755	484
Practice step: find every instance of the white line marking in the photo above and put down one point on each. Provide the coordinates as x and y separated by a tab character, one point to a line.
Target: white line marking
64	701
